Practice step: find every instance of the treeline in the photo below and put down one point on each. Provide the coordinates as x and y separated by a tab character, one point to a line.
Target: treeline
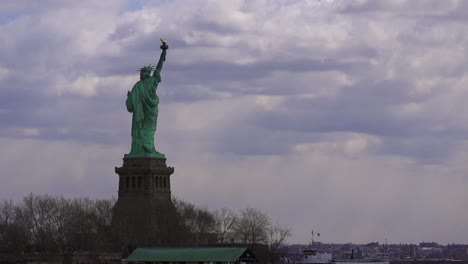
42	223
249	226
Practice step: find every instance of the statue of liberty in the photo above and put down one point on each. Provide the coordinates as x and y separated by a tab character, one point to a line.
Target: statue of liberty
143	102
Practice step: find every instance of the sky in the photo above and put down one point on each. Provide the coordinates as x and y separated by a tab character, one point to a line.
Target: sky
345	117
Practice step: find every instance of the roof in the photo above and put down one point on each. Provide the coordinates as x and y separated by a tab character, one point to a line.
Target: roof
226	254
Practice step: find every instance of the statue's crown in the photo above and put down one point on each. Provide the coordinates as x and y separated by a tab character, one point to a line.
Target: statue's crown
147	68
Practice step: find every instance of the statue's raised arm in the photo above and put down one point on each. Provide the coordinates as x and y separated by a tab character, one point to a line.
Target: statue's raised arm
162	59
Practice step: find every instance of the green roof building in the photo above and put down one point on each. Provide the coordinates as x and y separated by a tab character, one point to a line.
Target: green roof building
198	255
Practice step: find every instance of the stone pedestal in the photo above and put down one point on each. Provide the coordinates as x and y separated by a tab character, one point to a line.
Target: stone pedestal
144	214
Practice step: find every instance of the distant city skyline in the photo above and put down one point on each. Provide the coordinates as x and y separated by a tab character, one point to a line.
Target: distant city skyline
345	117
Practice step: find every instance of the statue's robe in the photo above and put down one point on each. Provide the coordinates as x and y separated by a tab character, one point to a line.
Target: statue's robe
143	103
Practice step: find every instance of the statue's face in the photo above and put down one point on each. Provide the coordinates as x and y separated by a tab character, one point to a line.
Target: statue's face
144	74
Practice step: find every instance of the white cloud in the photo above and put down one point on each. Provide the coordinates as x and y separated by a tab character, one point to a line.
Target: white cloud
4	72
30	131
89	85
268	102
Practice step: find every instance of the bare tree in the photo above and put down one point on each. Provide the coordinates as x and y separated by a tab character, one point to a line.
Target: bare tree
225	222
84	224
13	235
6	212
55	224
7	215
38	213
103	222
277	236
186	212
199	221
252	226
205	226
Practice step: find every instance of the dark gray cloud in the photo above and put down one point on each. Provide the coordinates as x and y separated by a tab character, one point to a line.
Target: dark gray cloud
413	8
364	107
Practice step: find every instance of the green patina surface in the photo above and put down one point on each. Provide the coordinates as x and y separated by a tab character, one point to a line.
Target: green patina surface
186	254
143	102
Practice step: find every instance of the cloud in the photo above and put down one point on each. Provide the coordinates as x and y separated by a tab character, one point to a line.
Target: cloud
58	168
332	115
350	196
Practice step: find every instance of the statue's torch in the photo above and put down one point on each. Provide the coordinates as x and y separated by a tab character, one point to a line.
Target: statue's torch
164	45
